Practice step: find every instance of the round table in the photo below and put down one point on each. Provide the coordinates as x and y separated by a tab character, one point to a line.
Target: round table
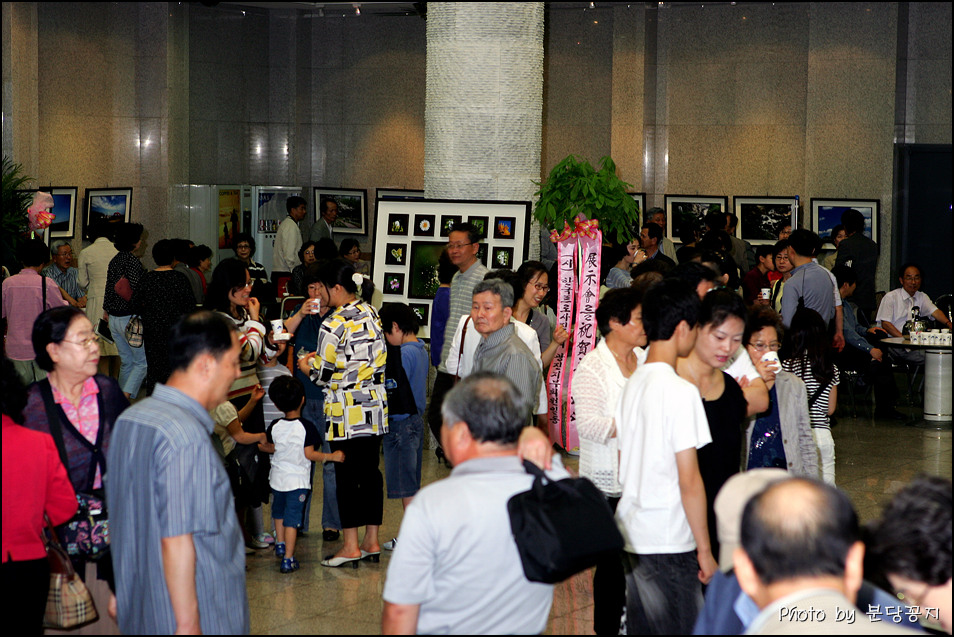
937	381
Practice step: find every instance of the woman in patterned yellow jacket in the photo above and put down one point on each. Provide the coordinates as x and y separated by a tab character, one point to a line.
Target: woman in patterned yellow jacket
349	364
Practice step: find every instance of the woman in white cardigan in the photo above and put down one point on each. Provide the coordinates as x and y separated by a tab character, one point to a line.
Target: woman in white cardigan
597	384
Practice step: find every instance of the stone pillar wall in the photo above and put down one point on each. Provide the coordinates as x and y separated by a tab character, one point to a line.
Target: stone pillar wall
484	100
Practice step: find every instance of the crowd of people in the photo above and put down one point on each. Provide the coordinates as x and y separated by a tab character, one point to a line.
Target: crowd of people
709	376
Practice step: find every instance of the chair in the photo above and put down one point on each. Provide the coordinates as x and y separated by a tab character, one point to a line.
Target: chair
288	304
851	379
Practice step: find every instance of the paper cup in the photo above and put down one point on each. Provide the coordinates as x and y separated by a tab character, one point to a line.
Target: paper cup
773	359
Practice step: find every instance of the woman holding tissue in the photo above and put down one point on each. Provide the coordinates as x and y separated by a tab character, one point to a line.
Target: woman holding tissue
781	437
349	363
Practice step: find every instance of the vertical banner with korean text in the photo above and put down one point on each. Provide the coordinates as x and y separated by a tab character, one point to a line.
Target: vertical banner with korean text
566	292
584	325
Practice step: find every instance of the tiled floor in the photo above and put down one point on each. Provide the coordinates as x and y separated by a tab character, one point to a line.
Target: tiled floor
874	459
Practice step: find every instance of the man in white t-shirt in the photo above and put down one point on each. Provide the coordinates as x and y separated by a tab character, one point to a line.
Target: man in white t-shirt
662	511
896	306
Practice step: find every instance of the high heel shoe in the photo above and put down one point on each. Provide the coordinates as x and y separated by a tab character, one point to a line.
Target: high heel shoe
371	556
337	562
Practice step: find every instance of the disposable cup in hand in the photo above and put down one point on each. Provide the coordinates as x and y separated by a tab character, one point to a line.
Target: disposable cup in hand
773	360
278	326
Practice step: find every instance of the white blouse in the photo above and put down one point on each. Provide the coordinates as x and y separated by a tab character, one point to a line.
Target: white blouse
597	385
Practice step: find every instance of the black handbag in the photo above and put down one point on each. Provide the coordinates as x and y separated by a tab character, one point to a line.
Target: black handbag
561	527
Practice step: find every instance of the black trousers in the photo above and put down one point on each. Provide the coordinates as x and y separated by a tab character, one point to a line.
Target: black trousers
442	384
359	482
609	590
25	587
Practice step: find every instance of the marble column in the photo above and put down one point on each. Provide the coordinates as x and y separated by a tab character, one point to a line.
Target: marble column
484	100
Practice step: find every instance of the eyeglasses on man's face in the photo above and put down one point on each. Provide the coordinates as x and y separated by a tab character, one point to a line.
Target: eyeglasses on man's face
460	245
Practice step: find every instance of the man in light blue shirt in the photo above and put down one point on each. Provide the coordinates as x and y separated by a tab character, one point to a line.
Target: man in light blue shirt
176	544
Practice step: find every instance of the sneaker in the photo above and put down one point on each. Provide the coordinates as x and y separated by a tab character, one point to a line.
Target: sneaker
289	565
266	538
280	549
255	543
390	544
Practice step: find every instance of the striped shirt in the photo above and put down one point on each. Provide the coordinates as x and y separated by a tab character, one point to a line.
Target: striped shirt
461	300
817	410
166	480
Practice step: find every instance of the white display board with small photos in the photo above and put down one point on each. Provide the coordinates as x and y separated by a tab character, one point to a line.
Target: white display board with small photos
411	234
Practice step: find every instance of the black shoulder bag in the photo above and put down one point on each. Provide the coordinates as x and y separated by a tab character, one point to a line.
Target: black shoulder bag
561	527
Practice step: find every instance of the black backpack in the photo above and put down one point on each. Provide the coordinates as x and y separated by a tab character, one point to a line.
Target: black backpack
400	396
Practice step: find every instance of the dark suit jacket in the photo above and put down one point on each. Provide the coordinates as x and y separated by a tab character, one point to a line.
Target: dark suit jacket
861	254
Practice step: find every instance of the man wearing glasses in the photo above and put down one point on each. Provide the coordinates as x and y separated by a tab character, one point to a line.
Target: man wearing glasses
896	306
462	247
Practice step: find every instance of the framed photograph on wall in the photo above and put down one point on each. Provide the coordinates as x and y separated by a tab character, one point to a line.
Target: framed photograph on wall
398	194
480	225
447	224
110	205
826	214
503	258
424	258
64	211
395	254
423	312
424	225
691	210
398	224
421	254
394	283
503	227
352	208
640	199
761	218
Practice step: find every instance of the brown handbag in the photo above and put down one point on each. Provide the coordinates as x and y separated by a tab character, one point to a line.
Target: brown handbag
69	603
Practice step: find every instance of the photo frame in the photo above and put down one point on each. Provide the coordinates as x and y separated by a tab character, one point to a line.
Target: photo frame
110	205
503	227
398	225
503	258
352	208
398	194
683	209
447	224
395	254
424	225
393	283
423	312
64	211
761	218
480	225
424	258
640	199
422	253
826	214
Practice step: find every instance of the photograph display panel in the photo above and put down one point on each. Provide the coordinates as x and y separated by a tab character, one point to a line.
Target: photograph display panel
411	235
826	214
761	218
685	210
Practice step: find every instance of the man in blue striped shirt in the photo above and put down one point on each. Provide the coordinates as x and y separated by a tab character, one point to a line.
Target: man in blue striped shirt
176	544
